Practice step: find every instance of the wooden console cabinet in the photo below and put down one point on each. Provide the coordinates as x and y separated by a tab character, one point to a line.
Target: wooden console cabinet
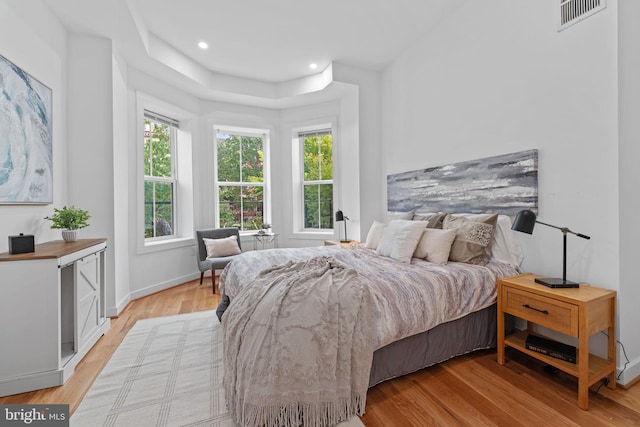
52	311
576	312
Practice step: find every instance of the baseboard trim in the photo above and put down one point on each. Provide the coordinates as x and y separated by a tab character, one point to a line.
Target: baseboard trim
630	375
115	311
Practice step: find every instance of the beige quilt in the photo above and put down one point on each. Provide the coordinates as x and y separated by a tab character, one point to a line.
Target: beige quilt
298	345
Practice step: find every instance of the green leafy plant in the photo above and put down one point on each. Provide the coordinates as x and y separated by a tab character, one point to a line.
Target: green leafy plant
69	218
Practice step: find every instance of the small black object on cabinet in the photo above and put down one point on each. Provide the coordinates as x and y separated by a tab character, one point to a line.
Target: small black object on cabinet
21	244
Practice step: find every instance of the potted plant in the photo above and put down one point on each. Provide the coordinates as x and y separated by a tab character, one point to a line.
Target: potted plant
70	220
264	228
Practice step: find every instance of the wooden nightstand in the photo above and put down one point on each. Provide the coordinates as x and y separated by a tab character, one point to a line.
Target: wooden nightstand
338	242
576	312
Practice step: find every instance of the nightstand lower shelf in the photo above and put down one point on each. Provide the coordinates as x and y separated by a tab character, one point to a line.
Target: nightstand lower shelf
598	367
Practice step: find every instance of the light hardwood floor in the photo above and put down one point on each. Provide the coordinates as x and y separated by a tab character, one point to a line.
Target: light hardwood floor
471	390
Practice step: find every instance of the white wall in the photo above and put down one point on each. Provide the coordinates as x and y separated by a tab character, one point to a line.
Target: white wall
629	153
363	105
497	77
90	140
121	177
38	46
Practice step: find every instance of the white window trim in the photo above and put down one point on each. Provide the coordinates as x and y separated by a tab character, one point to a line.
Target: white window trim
183	205
266	182
297	158
170	180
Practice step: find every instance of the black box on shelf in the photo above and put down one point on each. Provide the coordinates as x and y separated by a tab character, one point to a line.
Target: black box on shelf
21	244
551	348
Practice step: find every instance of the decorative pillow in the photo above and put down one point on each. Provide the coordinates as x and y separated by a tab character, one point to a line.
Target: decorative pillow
504	246
374	235
472	237
434	219
400	238
391	215
435	245
222	247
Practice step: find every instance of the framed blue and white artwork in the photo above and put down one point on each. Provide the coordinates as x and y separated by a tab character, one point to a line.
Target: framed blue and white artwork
26	174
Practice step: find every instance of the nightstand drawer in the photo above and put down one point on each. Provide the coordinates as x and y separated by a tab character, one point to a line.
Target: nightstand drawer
549	312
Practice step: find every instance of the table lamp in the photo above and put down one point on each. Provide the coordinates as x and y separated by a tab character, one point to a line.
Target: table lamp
524	222
340	217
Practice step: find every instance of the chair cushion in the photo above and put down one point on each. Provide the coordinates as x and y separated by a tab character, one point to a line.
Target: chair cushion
222	247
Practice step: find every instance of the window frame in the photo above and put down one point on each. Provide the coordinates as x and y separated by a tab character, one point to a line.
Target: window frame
184	170
262	133
298	231
301	136
173	127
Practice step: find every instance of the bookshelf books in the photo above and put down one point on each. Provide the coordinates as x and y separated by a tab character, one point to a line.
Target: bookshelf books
551	348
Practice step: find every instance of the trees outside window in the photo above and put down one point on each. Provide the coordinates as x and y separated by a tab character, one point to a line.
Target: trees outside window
240	179
317	179
159	177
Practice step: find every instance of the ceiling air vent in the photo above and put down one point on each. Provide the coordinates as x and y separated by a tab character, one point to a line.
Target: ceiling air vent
574	11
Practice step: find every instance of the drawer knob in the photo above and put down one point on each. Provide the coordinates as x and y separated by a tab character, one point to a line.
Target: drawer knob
536	309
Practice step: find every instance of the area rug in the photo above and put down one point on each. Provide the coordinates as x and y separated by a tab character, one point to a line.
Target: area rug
166	372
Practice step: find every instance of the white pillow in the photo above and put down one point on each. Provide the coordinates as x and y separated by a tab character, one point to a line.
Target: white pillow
505	246
400	238
374	235
435	245
222	247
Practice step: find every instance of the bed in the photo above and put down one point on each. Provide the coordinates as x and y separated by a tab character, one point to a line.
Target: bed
430	275
425	312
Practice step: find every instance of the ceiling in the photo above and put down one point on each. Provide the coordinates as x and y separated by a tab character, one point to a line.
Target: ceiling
262	43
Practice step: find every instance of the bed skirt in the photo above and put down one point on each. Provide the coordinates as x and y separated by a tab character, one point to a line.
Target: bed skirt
475	331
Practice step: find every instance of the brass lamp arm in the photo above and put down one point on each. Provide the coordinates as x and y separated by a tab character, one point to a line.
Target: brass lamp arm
564	230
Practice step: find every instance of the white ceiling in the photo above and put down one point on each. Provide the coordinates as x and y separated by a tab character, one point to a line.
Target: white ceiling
264	42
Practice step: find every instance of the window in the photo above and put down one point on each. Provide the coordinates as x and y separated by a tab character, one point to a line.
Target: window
159	175
240	178
317	179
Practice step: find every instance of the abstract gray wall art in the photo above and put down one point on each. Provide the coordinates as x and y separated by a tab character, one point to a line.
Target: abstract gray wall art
26	174
502	184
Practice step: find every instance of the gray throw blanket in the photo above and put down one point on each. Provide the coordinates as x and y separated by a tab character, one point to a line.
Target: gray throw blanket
298	346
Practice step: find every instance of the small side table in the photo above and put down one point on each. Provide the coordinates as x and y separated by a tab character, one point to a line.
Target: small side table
263	240
575	312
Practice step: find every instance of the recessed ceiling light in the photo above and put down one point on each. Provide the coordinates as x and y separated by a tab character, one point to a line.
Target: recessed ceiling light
313	66
203	45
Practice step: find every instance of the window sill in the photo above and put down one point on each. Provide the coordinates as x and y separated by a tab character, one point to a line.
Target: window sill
313	235
165	245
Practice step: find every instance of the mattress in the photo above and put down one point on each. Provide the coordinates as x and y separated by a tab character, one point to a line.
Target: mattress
409	299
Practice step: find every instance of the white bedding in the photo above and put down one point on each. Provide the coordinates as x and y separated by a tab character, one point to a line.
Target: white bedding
408	298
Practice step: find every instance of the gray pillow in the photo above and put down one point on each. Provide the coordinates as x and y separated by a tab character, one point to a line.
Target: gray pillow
434	220
391	215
